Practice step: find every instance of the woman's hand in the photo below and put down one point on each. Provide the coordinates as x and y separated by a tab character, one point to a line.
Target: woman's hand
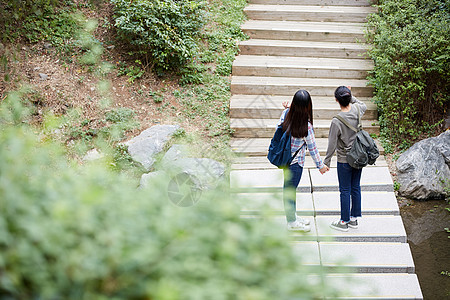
285	104
324	170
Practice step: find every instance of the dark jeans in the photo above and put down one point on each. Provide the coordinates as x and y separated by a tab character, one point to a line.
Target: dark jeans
350	188
291	179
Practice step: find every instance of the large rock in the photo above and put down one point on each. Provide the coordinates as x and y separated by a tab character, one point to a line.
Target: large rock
92	155
184	177
147	179
177	151
423	168
150	142
204	172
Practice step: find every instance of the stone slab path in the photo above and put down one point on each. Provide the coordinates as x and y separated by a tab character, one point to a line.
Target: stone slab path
315	45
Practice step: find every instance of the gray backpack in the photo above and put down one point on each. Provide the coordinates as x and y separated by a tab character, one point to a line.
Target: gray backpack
364	151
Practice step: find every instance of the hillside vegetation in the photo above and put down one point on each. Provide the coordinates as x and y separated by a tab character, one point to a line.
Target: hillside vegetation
109	69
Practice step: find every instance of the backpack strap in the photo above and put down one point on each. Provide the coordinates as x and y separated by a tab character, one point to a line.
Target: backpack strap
359	118
343	120
296	152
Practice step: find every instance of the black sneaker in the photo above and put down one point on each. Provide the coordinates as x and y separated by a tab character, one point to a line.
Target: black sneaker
353	224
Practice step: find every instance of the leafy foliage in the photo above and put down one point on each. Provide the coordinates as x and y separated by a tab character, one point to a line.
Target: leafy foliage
410	47
165	30
37	20
82	232
133	72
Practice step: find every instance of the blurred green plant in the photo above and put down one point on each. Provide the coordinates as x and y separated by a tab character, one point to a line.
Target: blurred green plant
410	47
71	231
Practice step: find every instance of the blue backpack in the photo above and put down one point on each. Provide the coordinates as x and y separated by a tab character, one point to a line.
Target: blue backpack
280	149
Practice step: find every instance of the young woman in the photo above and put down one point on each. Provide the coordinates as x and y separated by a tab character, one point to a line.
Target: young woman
298	120
340	139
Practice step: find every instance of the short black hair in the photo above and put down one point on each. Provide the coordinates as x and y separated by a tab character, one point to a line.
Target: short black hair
343	95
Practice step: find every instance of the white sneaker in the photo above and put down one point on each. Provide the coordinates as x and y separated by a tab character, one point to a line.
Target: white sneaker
298	226
303	220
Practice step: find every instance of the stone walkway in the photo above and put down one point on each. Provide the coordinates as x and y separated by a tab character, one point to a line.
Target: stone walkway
313	45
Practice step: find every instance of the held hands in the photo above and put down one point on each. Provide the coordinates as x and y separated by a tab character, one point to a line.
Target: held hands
324	170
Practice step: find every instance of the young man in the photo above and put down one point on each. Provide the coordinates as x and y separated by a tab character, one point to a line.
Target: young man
340	139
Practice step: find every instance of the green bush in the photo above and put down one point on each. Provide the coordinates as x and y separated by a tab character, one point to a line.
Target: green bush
70	231
39	20
410	47
165	31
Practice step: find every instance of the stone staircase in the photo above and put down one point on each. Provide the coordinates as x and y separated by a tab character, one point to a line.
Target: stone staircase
315	45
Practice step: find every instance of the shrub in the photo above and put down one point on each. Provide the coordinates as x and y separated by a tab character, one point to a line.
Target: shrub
83	232
410	47
37	20
165	30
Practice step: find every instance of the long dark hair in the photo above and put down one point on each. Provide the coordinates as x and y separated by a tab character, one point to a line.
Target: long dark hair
300	112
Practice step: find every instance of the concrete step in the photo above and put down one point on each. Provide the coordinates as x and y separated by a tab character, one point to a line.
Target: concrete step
386	286
373	203
310	67
254	85
262	163
270	107
302	48
373	179
308	255
316	203
271	180
372	229
384	228
264	181
354	14
265	128
315	2
367	257
304	31
272	203
278	226
260	146
355	257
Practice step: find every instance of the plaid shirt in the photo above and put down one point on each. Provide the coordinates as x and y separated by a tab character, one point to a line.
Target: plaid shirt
303	143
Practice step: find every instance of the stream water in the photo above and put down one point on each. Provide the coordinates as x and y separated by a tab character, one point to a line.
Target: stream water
430	245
